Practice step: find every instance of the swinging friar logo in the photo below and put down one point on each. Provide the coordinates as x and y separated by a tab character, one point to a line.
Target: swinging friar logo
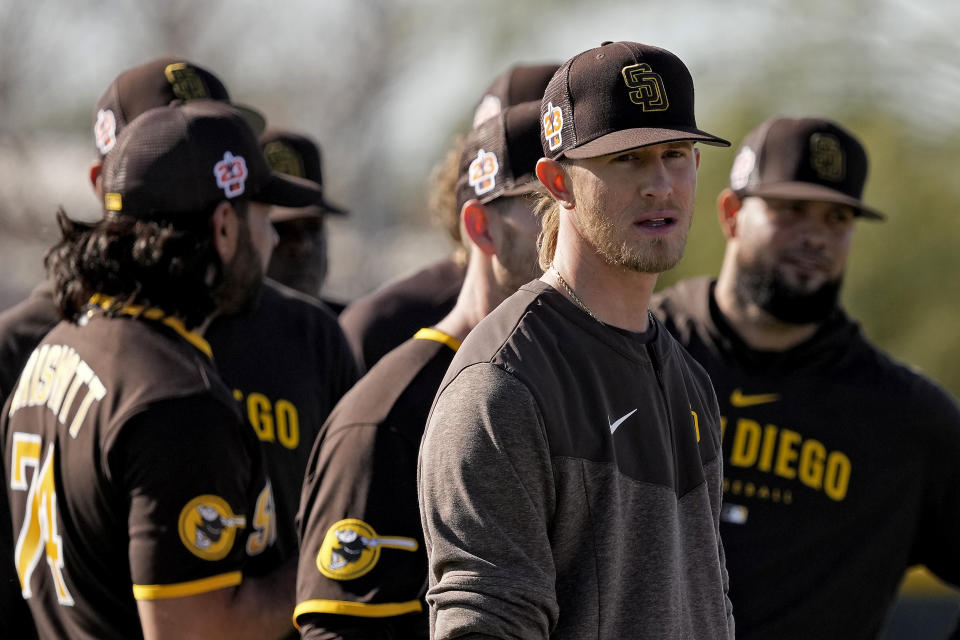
208	527
351	548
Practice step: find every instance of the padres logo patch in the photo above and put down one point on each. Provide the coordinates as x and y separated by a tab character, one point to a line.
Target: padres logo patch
351	548
826	157
648	90
482	175
742	167
208	527
105	131
281	157
185	81
552	124
231	174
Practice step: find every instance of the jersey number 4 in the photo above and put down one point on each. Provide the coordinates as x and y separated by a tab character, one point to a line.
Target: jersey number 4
38	535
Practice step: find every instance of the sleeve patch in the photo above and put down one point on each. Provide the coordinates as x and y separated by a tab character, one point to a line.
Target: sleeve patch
208	527
351	548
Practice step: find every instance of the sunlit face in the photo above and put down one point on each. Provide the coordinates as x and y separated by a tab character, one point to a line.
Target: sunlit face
791	255
300	257
516	260
634	209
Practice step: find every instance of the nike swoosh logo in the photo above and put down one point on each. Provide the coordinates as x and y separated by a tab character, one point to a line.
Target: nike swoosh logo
740	399
614	425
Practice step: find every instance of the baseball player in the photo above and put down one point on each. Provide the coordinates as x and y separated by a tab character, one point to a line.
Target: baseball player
154	84
137	495
570	473
285	359
378	322
300	258
363	566
840	464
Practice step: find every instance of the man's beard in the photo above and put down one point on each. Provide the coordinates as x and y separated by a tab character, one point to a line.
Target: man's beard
656	255
767	289
239	289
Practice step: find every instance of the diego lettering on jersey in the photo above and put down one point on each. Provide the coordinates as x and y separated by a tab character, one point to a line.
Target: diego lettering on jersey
56	377
276	421
785	454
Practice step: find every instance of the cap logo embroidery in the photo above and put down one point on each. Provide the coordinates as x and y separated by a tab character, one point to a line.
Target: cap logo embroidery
105	131
826	157
552	124
231	174
742	167
284	159
113	202
482	175
648	89
185	81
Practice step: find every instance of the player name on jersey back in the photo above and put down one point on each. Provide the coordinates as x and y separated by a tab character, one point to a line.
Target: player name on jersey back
57	377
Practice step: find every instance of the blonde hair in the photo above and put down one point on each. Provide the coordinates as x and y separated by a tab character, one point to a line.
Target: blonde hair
548	210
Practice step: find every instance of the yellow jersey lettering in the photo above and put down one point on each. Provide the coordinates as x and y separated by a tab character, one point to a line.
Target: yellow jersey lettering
95	392
837	479
66	369
39	534
766	453
288	423
746	443
261	417
787	454
812	456
723	427
264	523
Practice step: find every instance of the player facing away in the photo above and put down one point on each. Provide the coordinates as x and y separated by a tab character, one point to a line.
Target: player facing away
363	564
570	471
379	321
138	497
840	463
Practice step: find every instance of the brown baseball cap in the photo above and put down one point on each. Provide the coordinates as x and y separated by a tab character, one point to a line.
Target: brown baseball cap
296	155
158	83
616	97
519	83
803	159
499	157
177	162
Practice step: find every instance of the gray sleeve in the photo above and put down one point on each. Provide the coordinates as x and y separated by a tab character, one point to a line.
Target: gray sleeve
486	500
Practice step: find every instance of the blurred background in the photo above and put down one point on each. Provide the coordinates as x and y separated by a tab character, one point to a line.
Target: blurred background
385	87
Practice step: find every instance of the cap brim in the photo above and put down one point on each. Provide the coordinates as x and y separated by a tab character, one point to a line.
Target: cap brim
252	117
627	139
284	214
288	191
810	191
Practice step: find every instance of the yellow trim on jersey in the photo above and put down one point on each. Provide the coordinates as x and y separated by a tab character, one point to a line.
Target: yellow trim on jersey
182	589
437	336
153	313
357	609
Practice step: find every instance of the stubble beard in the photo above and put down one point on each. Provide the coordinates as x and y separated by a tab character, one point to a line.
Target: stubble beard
651	255
239	290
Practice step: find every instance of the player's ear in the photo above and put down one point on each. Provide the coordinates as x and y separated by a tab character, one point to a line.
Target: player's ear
226	231
728	205
96	170
476	222
555	178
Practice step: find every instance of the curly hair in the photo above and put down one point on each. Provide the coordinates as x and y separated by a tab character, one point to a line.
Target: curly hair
175	267
442	199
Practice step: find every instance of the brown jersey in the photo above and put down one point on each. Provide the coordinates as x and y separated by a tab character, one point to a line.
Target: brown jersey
130	475
383	320
363	568
287	363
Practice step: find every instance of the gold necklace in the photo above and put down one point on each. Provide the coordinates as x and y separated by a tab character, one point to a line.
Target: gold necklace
573	295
